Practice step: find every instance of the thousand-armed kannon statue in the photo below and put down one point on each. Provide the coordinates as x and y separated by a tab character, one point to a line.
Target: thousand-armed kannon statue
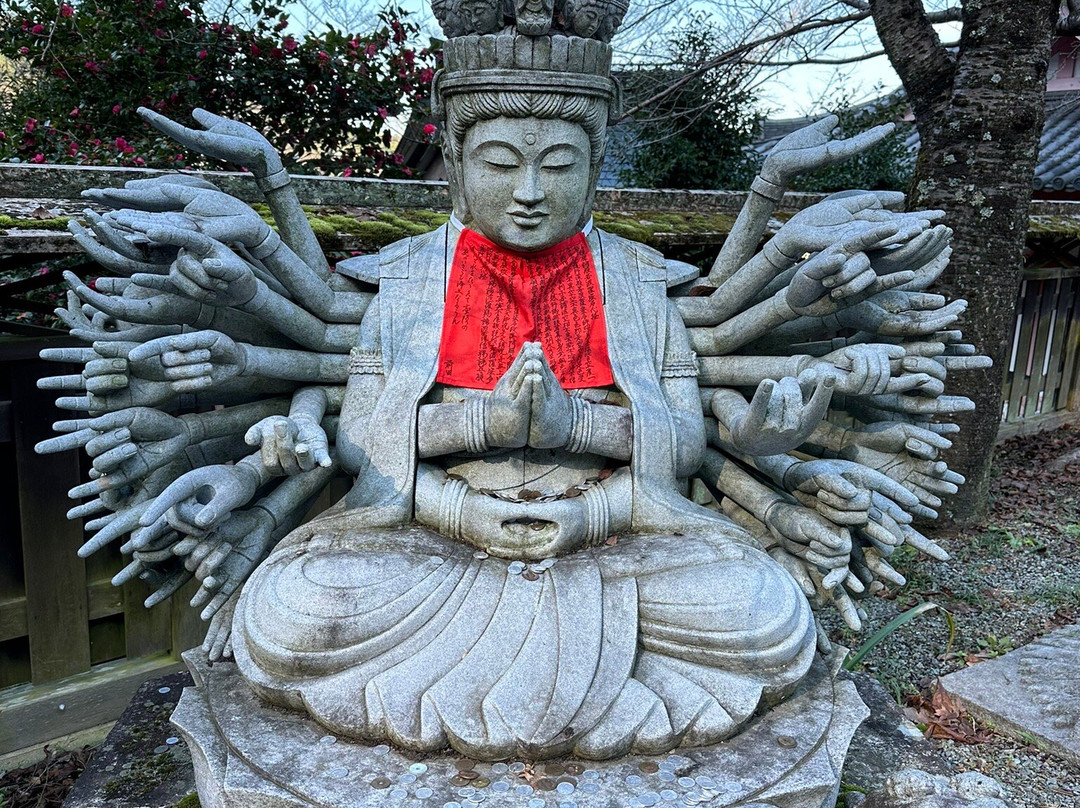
594	499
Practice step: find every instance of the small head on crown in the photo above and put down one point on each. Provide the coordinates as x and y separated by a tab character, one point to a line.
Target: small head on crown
589	19
526	95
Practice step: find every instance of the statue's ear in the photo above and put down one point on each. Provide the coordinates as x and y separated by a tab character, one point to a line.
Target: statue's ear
454	179
615	105
438	109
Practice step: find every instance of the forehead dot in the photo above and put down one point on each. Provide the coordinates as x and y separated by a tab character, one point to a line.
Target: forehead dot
530	138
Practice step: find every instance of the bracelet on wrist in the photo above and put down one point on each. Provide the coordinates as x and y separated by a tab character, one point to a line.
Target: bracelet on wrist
769	190
271	182
476	426
267	246
581	426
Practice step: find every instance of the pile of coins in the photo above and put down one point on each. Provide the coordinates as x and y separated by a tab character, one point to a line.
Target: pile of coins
530	572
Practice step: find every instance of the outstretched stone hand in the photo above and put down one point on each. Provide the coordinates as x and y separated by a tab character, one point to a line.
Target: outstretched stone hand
204	497
193	361
290	445
147	194
808	535
224	558
204	270
896	437
813	147
110	380
222	138
211	212
839	217
831	279
777	419
897	313
161	306
125	446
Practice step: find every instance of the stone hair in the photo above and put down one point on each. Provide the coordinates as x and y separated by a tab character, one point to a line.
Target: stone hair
466	109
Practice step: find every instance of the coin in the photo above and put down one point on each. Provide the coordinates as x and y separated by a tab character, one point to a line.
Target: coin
554	769
574	769
481	782
468	774
418	768
499	768
458	780
381	782
649	766
516	568
424	792
464	764
529	575
544	784
786	741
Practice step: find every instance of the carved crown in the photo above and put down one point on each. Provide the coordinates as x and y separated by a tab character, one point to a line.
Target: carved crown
523	45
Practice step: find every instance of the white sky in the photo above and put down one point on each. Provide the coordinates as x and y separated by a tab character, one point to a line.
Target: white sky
796	91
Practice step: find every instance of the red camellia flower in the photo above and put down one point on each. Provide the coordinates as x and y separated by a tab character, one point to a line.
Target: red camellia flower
323	56
347	172
382	112
255	50
66	10
202	54
31	125
289	44
429	129
116	109
38	158
38	29
24	50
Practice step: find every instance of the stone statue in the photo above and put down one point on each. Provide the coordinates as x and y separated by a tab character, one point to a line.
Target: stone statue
594	498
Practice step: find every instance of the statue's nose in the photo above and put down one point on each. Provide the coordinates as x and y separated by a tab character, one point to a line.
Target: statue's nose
529	192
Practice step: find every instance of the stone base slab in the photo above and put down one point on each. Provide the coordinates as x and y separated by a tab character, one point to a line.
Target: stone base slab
1034	691
253	755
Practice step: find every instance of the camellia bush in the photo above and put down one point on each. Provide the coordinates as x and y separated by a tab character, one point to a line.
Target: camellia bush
74	73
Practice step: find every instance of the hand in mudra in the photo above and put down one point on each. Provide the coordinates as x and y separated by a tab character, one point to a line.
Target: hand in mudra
528	405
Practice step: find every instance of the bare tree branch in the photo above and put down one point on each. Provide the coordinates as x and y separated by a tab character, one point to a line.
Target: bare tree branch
740	52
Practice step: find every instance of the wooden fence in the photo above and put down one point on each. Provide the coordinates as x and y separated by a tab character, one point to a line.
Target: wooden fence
73	648
1042	381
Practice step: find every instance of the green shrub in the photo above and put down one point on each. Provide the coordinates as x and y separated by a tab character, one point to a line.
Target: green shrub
78	70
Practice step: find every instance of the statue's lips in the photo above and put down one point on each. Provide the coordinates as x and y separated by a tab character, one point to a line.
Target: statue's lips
529	220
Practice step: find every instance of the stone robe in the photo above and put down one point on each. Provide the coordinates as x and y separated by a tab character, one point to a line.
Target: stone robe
383	629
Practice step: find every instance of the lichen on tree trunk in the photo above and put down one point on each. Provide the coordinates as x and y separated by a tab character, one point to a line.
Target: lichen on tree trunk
979	112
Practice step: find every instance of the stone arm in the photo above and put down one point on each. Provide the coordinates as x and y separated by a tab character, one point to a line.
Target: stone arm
364	388
836	277
307	286
152	300
805	150
239	143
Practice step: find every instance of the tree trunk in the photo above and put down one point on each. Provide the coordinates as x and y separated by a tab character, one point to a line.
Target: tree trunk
981	120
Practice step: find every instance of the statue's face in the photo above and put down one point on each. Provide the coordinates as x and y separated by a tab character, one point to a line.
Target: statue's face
526	180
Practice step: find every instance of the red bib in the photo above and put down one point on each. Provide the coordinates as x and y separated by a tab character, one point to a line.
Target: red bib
497	300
